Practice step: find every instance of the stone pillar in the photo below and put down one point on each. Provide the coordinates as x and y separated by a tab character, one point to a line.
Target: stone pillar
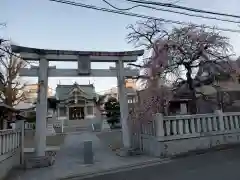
66	120
219	113
85	111
58	112
21	125
183	108
93	109
123	104
5	124
158	120
41	108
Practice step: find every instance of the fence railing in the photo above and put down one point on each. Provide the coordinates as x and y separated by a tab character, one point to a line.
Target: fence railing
29	126
148	128
9	140
56	124
182	126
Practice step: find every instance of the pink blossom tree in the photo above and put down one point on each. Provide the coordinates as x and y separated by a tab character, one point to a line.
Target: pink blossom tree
180	51
155	97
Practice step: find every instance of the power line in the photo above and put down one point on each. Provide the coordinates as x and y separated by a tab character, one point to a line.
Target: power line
141	16
183	7
3	24
172	11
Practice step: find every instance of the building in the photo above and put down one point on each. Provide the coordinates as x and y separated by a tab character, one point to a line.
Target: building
219	88
31	92
130	83
7	115
76	101
131	91
113	92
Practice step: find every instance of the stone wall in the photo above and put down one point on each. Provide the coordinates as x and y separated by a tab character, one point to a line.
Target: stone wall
160	148
174	135
8	162
10	151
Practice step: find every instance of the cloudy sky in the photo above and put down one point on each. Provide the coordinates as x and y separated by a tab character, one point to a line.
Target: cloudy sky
45	24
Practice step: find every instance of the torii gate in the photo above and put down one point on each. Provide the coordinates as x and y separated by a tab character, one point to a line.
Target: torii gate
84	59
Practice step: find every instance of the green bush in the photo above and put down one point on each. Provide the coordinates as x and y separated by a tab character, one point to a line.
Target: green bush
112	109
31	117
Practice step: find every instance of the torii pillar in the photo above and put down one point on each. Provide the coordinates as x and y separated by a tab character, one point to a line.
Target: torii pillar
41	108
123	101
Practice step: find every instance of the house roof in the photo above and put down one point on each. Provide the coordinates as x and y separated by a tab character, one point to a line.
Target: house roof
24	106
114	90
8	108
220	71
63	91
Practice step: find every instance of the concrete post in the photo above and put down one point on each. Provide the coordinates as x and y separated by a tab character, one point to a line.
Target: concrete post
58	112
88	152
85	111
41	108
219	113
22	124
67	116
183	108
123	104
158	119
5	124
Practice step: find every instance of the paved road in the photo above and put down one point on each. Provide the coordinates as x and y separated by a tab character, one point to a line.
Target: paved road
212	166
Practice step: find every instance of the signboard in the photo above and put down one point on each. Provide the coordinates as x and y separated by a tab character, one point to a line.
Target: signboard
84	66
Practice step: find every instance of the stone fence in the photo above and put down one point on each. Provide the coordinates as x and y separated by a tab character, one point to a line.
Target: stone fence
29	126
51	124
10	150
172	135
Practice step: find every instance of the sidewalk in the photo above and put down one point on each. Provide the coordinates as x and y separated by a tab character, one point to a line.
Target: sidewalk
69	160
219	165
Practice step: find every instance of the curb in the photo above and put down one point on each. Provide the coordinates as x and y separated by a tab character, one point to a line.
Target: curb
116	169
147	163
218	148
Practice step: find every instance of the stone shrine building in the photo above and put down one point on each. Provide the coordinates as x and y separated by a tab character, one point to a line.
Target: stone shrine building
76	101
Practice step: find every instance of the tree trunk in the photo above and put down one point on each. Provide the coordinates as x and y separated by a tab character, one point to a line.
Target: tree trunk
193	103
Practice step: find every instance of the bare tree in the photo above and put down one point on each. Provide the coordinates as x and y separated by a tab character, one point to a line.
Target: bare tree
1	73
155	97
181	50
12	91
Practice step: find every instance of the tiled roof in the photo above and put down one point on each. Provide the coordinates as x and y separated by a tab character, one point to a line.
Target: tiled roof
222	72
62	91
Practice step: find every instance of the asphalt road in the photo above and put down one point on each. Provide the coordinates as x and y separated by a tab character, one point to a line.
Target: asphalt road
223	165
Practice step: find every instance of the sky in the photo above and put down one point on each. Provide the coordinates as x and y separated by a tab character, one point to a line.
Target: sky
51	25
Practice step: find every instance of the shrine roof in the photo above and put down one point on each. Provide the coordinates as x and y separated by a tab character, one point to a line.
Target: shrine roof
62	91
